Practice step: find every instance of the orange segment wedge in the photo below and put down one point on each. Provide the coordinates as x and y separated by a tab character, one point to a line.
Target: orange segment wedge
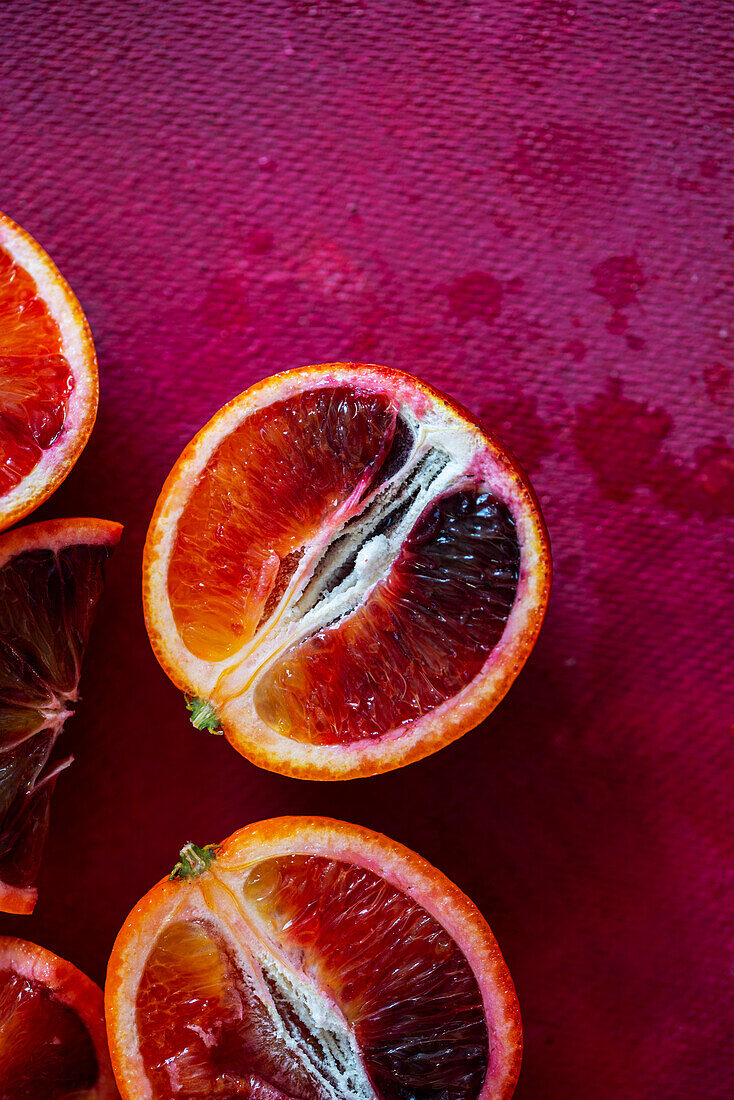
51	577
345	571
273	485
48	375
310	959
52	1033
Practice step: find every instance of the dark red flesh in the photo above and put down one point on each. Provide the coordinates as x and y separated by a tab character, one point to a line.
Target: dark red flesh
268	488
47	603
420	637
35	378
46	1052
395	972
203	1031
400	981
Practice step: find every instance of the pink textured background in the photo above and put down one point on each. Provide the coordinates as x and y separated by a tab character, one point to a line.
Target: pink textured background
528	204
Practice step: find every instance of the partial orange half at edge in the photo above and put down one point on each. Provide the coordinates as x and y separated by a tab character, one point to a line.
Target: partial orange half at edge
310	959
48	375
51	577
344	571
53	1044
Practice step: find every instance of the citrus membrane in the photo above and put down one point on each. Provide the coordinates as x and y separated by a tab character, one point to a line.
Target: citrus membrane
310	960
48	375
51	577
52	1035
345	570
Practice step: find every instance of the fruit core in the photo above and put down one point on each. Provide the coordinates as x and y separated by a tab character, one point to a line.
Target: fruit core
46	1052
345	562
344	989
36	380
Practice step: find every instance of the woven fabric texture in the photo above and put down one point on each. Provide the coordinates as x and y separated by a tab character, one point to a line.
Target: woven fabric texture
529	205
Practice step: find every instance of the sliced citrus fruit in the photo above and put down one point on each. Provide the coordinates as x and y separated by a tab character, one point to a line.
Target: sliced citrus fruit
48	375
52	1033
309	959
344	571
51	576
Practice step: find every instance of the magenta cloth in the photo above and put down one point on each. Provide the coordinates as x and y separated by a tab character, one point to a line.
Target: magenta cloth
529	205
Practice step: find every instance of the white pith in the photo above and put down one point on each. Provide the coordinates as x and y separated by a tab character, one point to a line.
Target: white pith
333	1060
217	896
58	534
440	458
227	679
228	684
332	1057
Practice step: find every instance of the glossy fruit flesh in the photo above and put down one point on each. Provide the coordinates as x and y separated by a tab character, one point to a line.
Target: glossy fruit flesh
399	1012
203	1030
341	470
46	1052
270	486
47	602
35	378
421	636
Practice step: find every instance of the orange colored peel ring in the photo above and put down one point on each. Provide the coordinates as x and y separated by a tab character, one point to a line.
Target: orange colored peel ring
361	942
262	500
48	375
52	1029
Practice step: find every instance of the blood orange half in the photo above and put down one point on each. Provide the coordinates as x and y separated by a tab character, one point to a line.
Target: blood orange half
309	959
344	571
52	1034
48	375
51	576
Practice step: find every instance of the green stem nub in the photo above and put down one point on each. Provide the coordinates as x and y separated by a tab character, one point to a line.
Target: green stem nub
203	715
194	861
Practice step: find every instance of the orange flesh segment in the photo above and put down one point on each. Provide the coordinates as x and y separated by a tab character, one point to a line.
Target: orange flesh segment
47	604
399	980
35	378
203	1031
419	638
398	976
271	485
46	1052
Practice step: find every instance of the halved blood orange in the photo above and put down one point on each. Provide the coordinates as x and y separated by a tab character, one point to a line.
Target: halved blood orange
51	576
48	375
52	1033
309	959
344	571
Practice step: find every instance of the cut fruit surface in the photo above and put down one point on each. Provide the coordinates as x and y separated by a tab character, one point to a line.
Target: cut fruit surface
309	959
53	1044
51	576
48	375
345	571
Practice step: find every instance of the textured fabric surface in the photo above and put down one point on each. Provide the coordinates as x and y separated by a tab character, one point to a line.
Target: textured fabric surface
529	205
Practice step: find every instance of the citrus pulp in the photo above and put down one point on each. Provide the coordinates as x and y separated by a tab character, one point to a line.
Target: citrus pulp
48	375
51	576
344	571
52	1034
309	959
